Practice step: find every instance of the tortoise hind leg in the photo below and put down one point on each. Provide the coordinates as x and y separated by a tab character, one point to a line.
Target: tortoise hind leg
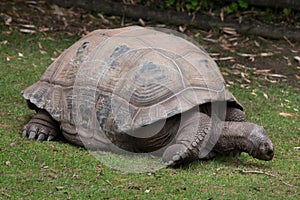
41	127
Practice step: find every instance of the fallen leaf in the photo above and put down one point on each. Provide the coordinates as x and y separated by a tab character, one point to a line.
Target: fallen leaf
99	167
297	77
297	58
210	40
57	10
256	43
262	71
266	54
255	55
22	30
284	114
294	51
29	26
7	19
43	166
182	29
7	163
222	14
12	144
278	75
230	31
147	191
224	58
142	22
265	95
59	187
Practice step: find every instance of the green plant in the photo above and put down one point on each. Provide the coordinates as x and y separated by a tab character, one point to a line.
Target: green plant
234	7
287	11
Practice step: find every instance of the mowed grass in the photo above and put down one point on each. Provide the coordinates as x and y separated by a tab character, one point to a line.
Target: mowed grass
59	170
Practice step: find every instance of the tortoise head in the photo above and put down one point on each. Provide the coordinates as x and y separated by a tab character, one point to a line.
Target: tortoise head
262	148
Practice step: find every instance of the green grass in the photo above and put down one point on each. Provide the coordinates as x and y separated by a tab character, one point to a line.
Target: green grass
57	170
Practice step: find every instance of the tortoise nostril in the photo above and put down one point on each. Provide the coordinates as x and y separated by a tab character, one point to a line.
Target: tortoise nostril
270	152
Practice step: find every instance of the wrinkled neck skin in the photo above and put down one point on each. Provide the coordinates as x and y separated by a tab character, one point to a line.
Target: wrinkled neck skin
245	137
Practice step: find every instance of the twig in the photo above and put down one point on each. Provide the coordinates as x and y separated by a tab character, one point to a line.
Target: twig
285	183
288	41
255	172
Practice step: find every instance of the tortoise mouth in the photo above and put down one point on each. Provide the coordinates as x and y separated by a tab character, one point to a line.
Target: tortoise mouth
264	153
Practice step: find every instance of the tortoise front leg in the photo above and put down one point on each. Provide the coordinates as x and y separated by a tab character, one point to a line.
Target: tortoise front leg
41	127
191	140
235	115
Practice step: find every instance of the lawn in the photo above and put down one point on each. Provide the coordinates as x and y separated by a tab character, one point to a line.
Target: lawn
59	170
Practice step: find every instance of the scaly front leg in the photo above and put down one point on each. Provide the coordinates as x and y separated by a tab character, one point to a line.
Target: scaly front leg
191	140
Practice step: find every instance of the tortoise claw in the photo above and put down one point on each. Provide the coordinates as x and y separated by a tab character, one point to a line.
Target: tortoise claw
24	133
41	137
50	138
32	135
41	127
175	155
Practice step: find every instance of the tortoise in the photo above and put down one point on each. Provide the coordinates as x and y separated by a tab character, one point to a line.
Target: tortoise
137	89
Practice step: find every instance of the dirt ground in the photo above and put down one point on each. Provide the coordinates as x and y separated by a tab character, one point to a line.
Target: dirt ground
272	60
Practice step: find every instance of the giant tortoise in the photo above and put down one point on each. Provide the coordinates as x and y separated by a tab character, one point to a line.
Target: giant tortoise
140	90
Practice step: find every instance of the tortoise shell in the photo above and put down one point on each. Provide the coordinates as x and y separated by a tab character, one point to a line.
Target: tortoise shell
118	80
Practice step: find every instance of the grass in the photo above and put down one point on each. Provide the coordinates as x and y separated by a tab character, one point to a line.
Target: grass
57	170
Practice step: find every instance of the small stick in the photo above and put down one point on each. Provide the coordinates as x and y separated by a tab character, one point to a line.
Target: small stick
255	172
288	41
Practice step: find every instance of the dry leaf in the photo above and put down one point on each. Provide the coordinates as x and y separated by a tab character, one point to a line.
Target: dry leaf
57	10
256	43
262	71
210	40
297	58
27	26
59	187
277	75
294	51
182	29
230	31
23	30
255	55
246	54
230	82
266	96
224	58
7	19
297	77
266	54
284	114
142	22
